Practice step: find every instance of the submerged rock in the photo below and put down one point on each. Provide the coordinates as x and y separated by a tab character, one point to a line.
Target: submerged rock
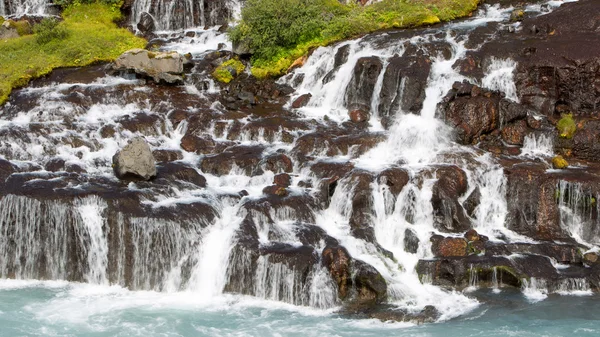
135	160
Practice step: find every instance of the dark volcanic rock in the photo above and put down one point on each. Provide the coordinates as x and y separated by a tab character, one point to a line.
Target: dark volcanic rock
361	87
404	84
449	214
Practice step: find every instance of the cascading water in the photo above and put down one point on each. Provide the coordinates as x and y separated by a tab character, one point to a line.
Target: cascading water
233	243
534	290
578	212
537	145
21	7
184	14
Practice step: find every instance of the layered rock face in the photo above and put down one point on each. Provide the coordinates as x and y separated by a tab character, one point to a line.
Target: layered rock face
383	163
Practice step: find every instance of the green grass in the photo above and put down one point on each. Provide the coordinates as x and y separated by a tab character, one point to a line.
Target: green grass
280	31
91	36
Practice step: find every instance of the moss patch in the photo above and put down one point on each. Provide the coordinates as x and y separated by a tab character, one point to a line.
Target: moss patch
92	37
227	71
280	31
566	126
22	26
559	162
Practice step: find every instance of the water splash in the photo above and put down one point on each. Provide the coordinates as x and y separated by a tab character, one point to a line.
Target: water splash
537	146
500	77
534	290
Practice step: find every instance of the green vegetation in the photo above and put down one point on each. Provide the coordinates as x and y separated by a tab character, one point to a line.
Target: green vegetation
22	27
566	126
280	31
113	4
48	30
87	35
227	71
559	162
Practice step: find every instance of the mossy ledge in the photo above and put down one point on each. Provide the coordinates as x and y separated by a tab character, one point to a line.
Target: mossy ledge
92	37
228	70
278	32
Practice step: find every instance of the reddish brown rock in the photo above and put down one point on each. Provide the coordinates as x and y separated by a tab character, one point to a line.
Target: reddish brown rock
449	247
282	180
359	116
301	101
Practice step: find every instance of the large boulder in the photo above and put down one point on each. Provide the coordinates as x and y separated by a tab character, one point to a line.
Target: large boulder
135	160
160	66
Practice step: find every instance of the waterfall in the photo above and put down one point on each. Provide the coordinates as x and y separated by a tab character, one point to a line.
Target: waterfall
92	232
496	285
578	212
473	279
574	286
34	239
22	7
537	146
210	272
534	290
184	14
241	239
500	77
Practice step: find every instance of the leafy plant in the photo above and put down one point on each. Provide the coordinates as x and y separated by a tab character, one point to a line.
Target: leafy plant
49	29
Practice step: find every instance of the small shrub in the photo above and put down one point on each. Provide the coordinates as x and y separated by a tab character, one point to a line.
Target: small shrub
48	30
226	71
566	126
559	162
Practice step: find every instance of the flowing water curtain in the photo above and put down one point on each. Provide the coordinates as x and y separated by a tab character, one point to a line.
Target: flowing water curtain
184	14
22	7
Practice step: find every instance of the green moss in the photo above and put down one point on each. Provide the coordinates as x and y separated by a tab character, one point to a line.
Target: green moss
227	70
22	26
280	31
2	19
566	126
93	37
558	162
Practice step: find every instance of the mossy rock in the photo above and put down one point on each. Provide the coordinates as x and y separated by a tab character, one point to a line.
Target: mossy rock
22	26
517	15
228	70
566	126
2	19
559	162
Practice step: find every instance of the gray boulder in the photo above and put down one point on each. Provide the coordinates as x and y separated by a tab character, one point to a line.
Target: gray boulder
135	160
160	66
7	32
